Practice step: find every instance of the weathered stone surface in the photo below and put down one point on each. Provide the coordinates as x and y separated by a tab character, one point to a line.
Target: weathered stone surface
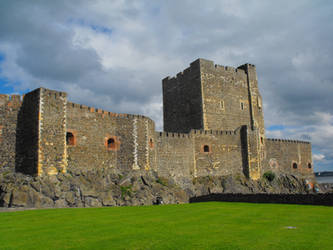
76	191
107	199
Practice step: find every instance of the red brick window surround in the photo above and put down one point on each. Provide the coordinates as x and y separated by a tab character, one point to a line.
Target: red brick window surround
71	138
112	143
295	166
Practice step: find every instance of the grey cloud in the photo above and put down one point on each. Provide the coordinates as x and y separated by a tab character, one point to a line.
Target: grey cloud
289	41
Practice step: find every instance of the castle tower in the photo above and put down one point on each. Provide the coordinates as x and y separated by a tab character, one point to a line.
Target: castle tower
212	97
206	96
41	147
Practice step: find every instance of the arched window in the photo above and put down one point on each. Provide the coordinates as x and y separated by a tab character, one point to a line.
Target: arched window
206	149
111	143
294	165
309	165
70	139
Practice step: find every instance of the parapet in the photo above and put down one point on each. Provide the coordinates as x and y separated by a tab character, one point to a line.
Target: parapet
104	113
288	141
219	68
199	64
172	135
52	93
11	100
194	132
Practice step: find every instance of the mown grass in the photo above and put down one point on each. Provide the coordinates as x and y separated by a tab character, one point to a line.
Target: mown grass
210	225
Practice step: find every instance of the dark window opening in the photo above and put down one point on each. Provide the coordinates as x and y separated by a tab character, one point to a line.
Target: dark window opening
294	165
206	149
111	143
262	140
151	143
70	139
309	165
242	106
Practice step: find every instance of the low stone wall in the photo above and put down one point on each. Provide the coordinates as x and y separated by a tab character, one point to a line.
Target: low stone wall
306	199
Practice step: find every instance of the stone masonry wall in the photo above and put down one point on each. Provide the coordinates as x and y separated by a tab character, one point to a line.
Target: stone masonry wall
182	101
224	156
132	135
175	157
225	97
28	134
52	154
9	108
282	154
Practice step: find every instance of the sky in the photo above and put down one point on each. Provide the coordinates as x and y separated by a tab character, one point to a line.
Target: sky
113	55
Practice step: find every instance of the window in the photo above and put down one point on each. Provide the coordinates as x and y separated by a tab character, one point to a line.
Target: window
294	165
259	103
222	105
309	165
206	149
112	143
262	140
242	105
151	143
70	139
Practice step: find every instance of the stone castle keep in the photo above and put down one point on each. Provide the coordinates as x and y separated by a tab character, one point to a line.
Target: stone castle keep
213	126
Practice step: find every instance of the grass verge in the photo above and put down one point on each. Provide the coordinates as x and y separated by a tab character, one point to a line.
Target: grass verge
211	225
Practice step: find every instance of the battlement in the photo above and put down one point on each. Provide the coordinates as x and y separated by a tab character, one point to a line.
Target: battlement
213	132
11	100
105	113
51	93
170	134
200	63
287	141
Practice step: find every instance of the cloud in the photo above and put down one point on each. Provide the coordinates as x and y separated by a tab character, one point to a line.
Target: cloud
318	157
113	54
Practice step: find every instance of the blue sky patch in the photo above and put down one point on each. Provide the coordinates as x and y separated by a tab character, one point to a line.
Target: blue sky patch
94	27
276	127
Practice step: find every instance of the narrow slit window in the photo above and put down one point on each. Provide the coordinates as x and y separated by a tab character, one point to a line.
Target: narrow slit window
151	143
222	105
242	105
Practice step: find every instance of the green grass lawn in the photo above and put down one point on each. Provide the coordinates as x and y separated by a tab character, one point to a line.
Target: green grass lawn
211	225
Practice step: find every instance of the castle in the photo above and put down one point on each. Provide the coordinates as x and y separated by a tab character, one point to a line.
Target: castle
213	125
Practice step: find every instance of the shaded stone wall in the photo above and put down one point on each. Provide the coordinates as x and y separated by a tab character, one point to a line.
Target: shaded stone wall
133	139
28	134
9	108
280	156
182	100
175	157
